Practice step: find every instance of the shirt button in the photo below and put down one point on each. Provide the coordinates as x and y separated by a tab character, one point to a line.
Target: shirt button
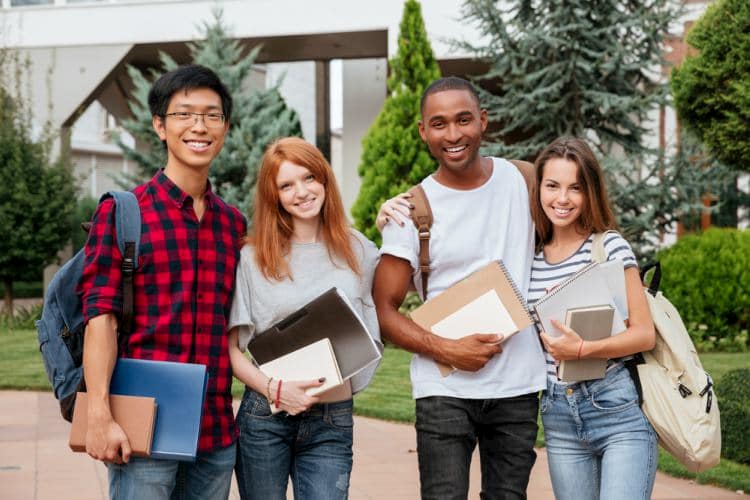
569	391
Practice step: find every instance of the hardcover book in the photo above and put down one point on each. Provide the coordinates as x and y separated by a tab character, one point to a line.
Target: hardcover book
591	323
136	415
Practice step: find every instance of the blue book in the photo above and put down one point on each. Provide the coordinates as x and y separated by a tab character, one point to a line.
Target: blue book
179	389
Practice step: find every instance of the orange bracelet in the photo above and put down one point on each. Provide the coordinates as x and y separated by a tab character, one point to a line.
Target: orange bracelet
278	395
580	347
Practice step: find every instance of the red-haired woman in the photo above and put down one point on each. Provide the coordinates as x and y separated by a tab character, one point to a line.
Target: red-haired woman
301	246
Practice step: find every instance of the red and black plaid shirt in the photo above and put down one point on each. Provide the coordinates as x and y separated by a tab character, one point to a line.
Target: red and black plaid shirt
182	289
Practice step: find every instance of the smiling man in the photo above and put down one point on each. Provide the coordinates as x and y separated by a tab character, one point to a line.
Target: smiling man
182	292
480	208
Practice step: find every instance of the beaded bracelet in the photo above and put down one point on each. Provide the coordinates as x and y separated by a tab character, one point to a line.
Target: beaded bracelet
268	390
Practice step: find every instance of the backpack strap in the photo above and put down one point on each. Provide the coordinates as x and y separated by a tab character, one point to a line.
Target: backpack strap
128	230
598	253
528	171
421	215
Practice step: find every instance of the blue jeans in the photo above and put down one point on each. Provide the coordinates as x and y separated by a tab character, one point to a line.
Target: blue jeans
448	430
599	443
209	477
314	448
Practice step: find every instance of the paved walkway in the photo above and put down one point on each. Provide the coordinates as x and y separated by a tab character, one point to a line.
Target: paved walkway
36	464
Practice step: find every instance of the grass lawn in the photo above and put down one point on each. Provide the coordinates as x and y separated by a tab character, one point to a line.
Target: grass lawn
387	398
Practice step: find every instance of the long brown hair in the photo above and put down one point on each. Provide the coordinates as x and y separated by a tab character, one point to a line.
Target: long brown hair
273	226
598	216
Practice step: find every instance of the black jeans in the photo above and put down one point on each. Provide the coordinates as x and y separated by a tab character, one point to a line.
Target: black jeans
449	428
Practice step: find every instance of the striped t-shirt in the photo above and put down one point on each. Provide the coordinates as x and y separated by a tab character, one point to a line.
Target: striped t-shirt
546	275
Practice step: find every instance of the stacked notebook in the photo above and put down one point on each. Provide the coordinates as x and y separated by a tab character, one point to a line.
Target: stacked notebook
487	301
324	338
593	303
314	361
159	405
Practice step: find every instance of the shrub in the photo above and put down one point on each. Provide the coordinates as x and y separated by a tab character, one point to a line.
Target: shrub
23	318
707	277
733	391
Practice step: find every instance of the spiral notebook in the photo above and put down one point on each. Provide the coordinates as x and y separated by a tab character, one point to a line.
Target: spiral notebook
588	287
487	301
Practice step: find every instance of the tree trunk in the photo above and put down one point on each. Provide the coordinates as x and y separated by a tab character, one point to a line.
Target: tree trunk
8	295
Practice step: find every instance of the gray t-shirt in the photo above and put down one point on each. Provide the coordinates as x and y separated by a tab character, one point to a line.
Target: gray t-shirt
259	303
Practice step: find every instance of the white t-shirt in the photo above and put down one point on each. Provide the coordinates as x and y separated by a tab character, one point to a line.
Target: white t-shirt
471	228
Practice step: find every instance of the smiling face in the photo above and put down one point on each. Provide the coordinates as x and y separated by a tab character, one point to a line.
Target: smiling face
561	194
300	193
190	144
452	126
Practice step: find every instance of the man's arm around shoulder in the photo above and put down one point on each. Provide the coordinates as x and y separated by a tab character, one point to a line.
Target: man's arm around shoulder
392	278
105	439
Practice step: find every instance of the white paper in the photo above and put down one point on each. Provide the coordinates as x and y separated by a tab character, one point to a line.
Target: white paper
485	314
311	362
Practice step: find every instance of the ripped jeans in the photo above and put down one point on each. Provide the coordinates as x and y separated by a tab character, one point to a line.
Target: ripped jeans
314	448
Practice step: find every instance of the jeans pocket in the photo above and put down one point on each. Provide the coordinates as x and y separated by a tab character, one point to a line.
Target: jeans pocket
544	403
340	420
255	405
615	397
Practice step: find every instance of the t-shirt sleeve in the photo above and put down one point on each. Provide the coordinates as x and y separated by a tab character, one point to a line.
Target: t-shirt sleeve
240	315
369	315
401	242
100	285
616	247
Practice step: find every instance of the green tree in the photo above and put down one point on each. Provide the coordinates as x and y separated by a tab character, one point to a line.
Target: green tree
36	196
258	117
573	67
590	69
712	87
393	155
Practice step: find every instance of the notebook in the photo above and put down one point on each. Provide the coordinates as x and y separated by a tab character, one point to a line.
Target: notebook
136	415
179	390
330	315
487	301
313	361
585	288
591	323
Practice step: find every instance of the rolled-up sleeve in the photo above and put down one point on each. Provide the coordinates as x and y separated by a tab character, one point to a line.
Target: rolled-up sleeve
100	286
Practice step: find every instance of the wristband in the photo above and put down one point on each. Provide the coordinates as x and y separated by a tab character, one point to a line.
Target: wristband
278	395
580	348
268	390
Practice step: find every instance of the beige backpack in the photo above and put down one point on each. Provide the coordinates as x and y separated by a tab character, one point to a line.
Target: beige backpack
676	393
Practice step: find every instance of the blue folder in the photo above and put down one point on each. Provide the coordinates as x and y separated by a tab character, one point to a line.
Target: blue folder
179	389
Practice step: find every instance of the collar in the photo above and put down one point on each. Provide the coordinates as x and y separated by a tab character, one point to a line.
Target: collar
180	197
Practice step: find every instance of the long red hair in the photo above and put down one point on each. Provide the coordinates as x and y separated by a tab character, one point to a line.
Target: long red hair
273	226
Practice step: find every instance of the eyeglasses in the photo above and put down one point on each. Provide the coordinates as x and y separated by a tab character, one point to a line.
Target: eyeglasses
211	120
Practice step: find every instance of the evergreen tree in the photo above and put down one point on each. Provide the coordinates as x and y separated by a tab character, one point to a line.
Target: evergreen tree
258	117
572	67
37	197
589	69
712	87
393	155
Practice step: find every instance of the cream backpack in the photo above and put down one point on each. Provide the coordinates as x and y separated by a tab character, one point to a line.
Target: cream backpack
676	393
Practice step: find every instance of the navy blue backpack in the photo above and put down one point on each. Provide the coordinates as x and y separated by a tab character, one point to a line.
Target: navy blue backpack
61	326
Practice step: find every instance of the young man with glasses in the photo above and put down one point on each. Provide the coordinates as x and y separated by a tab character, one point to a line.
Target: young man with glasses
182	292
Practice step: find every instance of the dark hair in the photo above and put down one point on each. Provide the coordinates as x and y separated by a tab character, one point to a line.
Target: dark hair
184	78
448	83
597	216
